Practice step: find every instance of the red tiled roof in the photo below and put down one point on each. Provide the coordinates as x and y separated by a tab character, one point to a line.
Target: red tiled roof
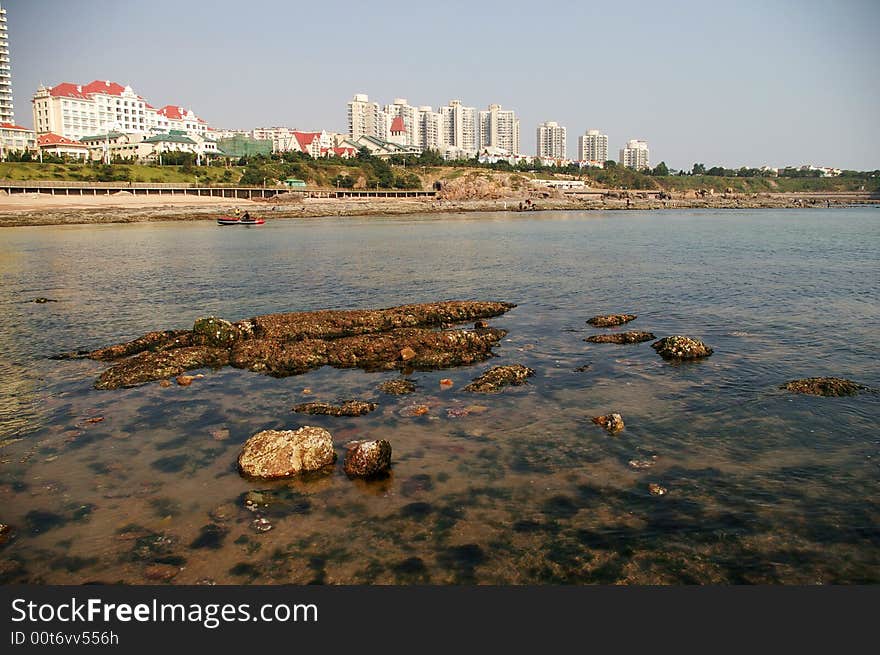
67	90
13	126
172	112
397	125
50	139
305	139
103	86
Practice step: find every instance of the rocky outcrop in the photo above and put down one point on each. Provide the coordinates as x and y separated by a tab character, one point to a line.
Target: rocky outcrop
367	458
613	423
679	347
213	331
825	386
348	408
398	387
288	344
610	320
495	378
272	454
621	337
149	366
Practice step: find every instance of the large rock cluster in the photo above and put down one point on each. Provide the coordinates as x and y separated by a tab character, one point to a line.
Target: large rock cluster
404	337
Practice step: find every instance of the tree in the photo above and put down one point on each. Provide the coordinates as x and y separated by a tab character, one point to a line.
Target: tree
610	163
661	169
364	153
716	171
698	169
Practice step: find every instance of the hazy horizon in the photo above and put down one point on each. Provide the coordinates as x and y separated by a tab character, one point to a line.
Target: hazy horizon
778	83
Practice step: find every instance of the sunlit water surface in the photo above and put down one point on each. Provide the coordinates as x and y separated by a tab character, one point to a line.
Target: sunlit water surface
520	487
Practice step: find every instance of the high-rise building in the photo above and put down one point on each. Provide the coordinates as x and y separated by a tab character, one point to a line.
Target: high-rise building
551	140
74	111
365	118
459	126
430	128
593	147
635	155
499	128
6	113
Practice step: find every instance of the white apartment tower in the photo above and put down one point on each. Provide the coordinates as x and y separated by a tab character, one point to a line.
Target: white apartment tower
593	147
365	118
635	155
551	140
459	126
6	113
430	128
499	128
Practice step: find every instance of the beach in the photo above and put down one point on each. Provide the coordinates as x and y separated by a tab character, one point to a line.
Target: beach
45	209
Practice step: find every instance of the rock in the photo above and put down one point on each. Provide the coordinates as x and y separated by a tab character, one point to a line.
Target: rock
219	434
367	458
272	454
293	343
610	320
223	513
641	464
446	382
457	412
43	301
164	383
163	572
397	387
495	378
261	524
656	490
348	408
216	332
621	337
5	533
481	325
824	386
613	423
149	366
185	380
583	369
679	347
414	410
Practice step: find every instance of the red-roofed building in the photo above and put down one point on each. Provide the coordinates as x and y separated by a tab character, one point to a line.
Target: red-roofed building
55	144
76	111
15	138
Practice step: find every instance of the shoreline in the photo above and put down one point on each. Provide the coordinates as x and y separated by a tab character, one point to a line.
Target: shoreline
42	210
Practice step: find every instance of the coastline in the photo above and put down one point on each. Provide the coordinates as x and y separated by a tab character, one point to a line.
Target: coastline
41	209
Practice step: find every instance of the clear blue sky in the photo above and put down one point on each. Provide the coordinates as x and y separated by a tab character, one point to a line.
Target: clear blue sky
743	82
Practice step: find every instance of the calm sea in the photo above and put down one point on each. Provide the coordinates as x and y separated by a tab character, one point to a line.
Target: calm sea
762	486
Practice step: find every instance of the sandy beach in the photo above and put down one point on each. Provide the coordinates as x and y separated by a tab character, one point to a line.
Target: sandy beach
45	209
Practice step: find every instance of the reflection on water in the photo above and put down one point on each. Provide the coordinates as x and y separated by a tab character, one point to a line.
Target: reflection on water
140	485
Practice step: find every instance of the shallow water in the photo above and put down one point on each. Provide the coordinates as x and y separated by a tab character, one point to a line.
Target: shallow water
763	485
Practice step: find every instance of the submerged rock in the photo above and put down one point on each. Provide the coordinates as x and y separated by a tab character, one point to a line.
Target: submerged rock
611	422
679	347
397	387
272	454
610	320
825	386
621	337
348	408
656	490
42	301
289	344
367	458
495	378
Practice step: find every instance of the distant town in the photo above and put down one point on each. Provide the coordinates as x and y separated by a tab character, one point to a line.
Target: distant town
105	121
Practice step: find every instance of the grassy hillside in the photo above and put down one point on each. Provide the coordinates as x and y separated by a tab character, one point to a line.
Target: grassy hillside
21	171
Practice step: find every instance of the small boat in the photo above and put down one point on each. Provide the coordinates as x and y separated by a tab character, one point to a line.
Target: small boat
232	220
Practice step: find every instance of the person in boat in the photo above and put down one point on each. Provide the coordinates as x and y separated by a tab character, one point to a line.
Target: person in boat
246	216
237	212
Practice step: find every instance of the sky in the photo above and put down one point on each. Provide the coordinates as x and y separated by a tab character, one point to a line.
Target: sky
744	83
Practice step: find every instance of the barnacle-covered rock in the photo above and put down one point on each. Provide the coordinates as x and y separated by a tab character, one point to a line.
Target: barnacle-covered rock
825	386
348	408
397	387
611	422
610	320
272	454
679	347
367	458
621	337
495	378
